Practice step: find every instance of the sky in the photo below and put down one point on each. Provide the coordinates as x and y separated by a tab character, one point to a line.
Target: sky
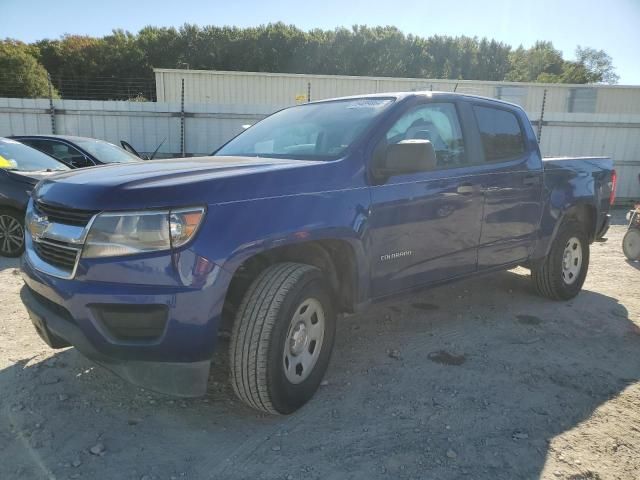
613	26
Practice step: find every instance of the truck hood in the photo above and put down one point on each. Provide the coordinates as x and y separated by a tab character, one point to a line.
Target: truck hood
161	183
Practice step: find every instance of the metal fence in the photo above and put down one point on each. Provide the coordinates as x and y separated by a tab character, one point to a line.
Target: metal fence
182	129
186	128
14	85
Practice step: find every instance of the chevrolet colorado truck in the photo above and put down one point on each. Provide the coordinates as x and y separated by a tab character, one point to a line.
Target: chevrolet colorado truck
316	211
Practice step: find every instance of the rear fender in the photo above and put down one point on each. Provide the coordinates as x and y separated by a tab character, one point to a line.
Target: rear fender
555	215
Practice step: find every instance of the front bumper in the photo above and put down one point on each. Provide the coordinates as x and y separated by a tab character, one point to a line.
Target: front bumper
175	363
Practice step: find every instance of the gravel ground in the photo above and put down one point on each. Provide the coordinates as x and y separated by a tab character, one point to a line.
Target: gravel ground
480	379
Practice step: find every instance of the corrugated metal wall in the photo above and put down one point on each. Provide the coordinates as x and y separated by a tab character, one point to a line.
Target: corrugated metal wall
281	89
578	119
143	124
217	104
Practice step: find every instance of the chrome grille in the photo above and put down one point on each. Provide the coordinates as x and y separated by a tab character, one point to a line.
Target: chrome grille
57	254
69	216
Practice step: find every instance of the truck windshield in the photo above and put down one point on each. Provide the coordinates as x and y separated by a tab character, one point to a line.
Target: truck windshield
316	131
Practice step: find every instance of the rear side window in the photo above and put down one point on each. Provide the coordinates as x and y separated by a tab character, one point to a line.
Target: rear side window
501	135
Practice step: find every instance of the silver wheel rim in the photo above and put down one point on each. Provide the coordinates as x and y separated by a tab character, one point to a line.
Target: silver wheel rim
631	244
304	341
571	260
11	235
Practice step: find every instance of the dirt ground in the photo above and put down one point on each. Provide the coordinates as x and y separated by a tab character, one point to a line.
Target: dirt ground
480	379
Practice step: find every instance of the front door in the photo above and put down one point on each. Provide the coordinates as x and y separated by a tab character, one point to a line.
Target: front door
425	226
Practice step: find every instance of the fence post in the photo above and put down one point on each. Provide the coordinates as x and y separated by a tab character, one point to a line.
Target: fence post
182	119
308	92
544	99
52	109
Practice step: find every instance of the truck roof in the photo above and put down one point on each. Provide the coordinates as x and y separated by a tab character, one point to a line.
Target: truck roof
421	93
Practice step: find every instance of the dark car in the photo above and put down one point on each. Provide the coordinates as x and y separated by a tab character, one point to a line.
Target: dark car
21	167
79	152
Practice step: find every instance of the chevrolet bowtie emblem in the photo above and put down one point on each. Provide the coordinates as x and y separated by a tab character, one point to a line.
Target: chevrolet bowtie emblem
38	226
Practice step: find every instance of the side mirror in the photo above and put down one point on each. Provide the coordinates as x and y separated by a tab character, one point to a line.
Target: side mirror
407	156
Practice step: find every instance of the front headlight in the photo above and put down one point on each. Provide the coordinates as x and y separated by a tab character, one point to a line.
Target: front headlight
129	233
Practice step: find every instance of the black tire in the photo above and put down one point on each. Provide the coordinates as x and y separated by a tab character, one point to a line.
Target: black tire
260	333
10	220
631	244
548	276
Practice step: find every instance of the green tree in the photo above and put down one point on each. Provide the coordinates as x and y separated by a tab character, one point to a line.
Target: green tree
161	47
20	73
540	63
598	65
120	65
574	72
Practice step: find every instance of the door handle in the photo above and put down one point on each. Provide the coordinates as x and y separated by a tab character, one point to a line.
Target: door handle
468	189
531	180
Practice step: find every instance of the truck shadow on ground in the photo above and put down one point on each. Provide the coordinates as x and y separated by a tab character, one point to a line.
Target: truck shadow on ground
472	379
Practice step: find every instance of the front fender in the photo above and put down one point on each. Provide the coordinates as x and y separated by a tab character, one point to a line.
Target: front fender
236	231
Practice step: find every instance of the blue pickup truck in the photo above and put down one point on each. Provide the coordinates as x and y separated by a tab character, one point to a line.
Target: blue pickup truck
318	210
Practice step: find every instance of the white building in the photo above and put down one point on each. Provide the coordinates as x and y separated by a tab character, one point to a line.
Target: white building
578	119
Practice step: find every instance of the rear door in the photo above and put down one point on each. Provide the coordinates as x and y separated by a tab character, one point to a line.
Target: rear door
512	186
425	226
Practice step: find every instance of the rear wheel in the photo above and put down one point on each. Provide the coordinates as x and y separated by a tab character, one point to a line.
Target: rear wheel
11	233
631	244
562	273
282	338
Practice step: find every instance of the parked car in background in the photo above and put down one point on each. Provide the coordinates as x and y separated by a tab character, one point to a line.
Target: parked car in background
79	152
631	240
21	167
317	210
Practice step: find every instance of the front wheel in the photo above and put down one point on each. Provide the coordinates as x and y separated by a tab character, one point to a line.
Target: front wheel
282	338
631	244
562	273
11	233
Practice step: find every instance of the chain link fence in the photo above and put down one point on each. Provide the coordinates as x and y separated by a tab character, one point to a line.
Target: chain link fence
14	85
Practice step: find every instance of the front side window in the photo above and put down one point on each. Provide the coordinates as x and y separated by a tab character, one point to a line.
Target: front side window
436	122
61	151
500	132
69	154
316	131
